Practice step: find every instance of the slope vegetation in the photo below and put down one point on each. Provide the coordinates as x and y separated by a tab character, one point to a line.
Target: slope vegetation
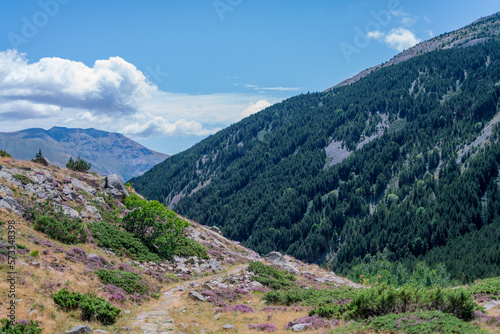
267	181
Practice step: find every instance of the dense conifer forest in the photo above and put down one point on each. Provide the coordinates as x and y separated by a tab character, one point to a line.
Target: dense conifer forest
267	180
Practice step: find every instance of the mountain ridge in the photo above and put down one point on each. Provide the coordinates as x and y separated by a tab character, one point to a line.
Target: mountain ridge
108	152
462	37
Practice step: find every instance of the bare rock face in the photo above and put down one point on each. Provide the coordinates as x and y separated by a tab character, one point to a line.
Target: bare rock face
113	185
43	161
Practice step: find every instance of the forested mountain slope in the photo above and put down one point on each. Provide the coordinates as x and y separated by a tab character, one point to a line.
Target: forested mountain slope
360	169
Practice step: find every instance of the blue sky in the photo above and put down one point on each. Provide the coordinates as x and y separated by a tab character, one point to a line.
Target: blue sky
169	73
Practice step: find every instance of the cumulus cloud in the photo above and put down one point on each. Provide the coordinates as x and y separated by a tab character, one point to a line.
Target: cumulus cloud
112	95
111	86
254	108
401	39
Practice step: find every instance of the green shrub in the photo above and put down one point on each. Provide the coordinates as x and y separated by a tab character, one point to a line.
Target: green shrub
382	300
121	242
416	322
274	278
158	227
396	274
78	165
23	178
331	311
189	247
93	308
490	286
63	229
5	154
30	327
34	253
127	281
310	297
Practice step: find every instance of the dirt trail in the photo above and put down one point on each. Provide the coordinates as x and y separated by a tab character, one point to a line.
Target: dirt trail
157	320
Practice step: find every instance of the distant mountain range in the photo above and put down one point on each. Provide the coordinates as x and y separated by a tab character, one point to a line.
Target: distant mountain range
108	152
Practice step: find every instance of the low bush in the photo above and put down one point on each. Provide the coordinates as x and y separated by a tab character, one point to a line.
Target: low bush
20	327
380	271
78	165
127	281
384	300
269	276
5	154
121	242
489	286
311	297
63	229
188	247
415	322
93	308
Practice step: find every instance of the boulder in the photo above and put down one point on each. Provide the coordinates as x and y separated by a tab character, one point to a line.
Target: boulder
43	161
196	296
79	330
229	327
301	327
290	267
275	257
113	185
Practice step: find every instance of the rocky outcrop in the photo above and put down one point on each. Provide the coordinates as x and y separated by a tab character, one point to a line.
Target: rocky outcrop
43	161
113	186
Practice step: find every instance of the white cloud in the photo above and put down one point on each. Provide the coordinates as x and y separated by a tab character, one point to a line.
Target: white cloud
254	108
401	39
112	86
113	95
280	89
378	35
405	18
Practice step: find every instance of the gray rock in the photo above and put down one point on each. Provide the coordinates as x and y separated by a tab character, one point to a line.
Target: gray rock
196	296
229	327
79	330
91	256
10	204
215	265
93	211
301	327
35	264
217	316
68	192
67	211
215	229
290	267
256	284
99	331
43	161
113	185
275	257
